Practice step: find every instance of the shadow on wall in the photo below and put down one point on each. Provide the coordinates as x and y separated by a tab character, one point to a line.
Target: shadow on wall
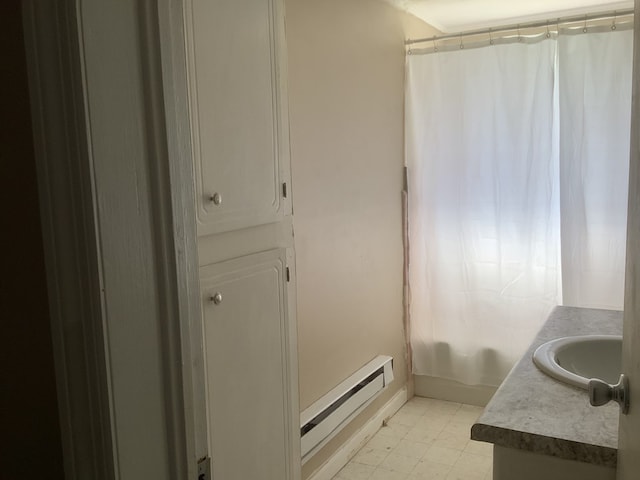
31	445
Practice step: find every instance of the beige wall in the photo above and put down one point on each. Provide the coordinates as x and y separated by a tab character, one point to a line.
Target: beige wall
346	87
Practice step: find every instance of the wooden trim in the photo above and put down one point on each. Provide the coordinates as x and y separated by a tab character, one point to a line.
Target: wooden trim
115	181
181	176
175	235
69	237
291	366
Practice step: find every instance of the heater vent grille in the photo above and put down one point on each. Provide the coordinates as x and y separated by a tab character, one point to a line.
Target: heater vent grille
339	402
326	417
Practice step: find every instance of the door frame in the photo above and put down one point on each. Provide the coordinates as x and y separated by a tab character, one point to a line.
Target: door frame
173	16
66	135
628	434
172	46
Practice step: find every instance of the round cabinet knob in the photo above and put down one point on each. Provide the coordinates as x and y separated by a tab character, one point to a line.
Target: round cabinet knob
216	298
216	198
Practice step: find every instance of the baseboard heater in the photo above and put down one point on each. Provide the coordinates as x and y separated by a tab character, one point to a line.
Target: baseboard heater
325	418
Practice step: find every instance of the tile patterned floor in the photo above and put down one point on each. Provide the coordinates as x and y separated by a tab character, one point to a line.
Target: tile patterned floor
426	440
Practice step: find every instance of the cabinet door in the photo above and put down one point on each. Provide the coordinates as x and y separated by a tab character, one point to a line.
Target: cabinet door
240	137
252	420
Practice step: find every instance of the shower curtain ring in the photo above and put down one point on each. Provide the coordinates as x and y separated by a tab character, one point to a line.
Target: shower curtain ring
490	38
435	45
613	23
584	29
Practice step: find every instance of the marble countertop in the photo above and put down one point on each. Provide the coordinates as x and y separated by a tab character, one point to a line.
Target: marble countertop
533	412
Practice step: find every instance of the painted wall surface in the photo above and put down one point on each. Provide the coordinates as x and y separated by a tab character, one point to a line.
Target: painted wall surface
346	96
30	444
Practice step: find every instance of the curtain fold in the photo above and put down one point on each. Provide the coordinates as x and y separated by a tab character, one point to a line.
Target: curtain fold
595	113
487	187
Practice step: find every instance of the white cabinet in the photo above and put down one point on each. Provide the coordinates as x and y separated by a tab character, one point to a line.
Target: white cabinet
237	88
239	130
252	433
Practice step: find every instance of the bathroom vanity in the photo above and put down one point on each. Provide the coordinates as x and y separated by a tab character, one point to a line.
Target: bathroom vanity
542	428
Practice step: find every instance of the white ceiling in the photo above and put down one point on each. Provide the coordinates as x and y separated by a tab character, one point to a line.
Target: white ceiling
452	16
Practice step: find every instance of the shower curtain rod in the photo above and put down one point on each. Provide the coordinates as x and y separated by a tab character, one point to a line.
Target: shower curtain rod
519	26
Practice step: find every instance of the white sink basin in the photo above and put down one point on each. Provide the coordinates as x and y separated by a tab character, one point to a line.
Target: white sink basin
575	360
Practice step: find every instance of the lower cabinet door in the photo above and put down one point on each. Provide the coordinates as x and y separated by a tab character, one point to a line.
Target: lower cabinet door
251	424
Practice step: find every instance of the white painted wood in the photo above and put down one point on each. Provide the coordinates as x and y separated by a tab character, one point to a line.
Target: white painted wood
235	57
132	204
514	464
252	428
238	243
115	173
185	253
291	353
240	137
347	451
119	249
70	240
629	430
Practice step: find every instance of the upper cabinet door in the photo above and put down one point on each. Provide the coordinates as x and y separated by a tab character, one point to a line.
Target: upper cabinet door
236	54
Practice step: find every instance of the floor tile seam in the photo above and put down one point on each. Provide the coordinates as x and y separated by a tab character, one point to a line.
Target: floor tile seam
427	428
485	455
386	432
391	470
430	447
437	445
415	457
483	468
451	423
416	470
367	464
407	457
416	441
480	471
468	422
456	432
455	442
372	464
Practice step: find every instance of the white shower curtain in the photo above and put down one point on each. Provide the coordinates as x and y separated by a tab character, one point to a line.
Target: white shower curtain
595	116
485	203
